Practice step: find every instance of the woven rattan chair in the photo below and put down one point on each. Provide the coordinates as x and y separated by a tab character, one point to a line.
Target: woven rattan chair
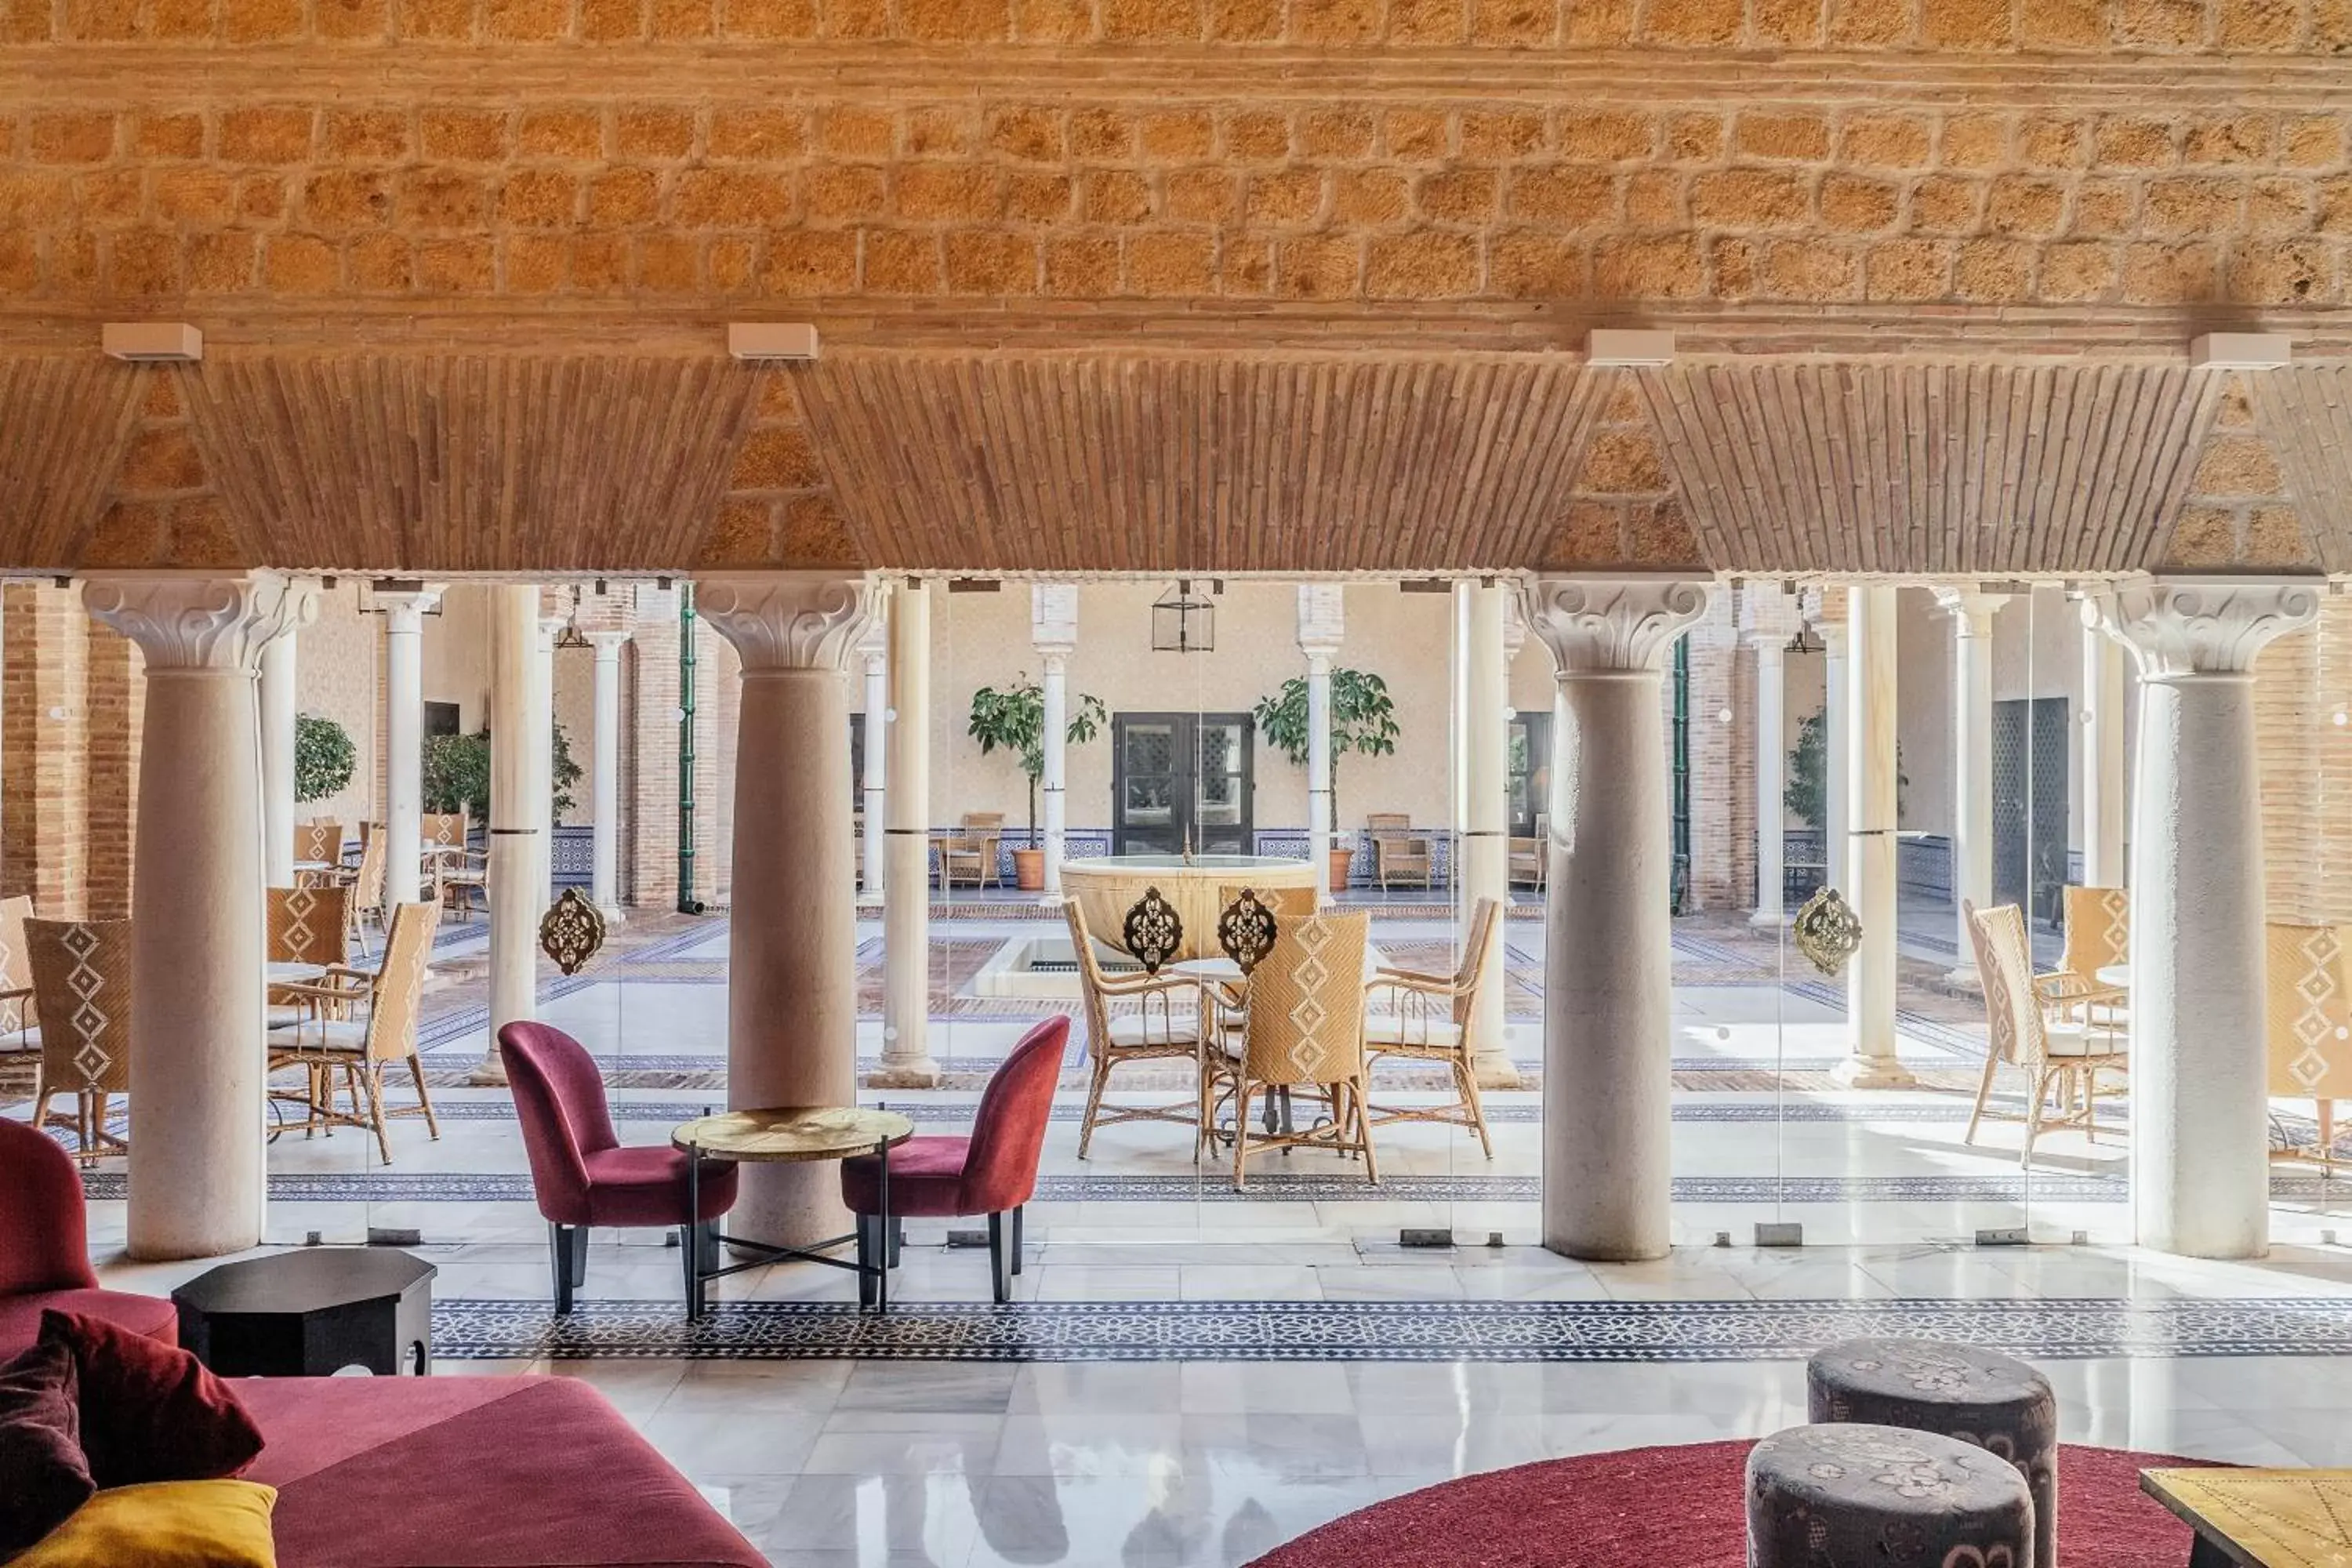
17	1015
1131	1018
460	874
309	926
1399	855
365	884
2057	1053
1531	858
81	984
1303	1027
1433	1018
970	854
2310	1029
364	1022
317	850
2099	936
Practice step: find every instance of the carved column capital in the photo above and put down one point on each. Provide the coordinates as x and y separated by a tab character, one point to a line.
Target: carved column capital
186	621
608	645
788	620
1322	619
2181	630
1971	609
404	609
1053	618
1597	624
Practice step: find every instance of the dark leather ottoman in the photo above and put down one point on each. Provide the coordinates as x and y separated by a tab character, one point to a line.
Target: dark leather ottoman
1846	1495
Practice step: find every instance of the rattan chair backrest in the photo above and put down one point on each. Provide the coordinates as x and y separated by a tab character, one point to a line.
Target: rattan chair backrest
2012	1012
367	883
81	981
309	925
443	829
1090	975
2310	1032
1305	1012
1486	926
2098	930
16	969
393	1009
319	843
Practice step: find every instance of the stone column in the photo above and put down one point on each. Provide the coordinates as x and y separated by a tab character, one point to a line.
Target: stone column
792	946
604	851
542	730
278	760
2102	755
906	901
1485	837
1608	977
2199	1160
1971	613
196	1110
1837	746
517	811
876	648
404	609
1322	622
1054	633
1771	766
1870	849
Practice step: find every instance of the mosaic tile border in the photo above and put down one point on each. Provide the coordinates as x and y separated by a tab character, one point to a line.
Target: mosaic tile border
1279	1186
1635	1332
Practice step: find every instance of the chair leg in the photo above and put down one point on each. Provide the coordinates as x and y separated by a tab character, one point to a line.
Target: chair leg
1018	1210
2033	1111
1241	1129
424	1096
869	1248
559	1252
1467	1077
1000	1282
691	1260
1093	1098
374	1079
1984	1090
897	1239
1354	1090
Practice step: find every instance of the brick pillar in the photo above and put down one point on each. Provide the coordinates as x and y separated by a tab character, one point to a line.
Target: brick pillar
116	701
44	753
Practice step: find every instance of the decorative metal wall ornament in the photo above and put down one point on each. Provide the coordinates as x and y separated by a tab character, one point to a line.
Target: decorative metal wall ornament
1247	930
1183	621
1828	931
1153	932
571	931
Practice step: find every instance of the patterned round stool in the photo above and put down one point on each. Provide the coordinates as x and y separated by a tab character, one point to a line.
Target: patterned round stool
1980	1396
1884	1496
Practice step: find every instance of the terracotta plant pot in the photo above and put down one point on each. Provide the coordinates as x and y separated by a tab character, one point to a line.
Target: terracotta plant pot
1339	860
1029	870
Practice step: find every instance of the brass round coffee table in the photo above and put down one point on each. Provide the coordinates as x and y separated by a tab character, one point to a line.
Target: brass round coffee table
784	1134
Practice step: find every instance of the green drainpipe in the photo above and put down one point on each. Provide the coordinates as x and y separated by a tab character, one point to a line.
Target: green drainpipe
1682	775
687	904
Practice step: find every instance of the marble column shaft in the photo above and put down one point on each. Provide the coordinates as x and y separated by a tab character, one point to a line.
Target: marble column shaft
907	900
875	647
1872	848
278	736
1972	618
2105	802
605	808
518	812
403	738
1771	766
1486	871
1607	991
791	947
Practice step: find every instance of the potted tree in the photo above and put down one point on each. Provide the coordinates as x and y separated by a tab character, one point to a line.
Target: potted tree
323	757
1363	719
1013	718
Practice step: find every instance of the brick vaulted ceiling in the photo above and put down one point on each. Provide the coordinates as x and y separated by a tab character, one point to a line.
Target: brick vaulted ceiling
1176	285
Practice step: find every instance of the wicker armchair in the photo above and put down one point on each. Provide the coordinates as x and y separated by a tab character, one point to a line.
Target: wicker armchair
1303	1025
317	850
460	874
971	853
1433	1018
1399	855
332	1039
1531	858
1131	1018
82	984
2055	1052
18	1016
2099	936
2310	1030
363	884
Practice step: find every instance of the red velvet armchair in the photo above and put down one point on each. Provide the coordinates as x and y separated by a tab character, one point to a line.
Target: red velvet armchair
582	1173
993	1172
44	1249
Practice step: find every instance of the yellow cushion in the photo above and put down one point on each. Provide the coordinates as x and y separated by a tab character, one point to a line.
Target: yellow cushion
164	1524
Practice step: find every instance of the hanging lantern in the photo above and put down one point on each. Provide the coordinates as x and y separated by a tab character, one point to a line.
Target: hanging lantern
1807	640
1183	621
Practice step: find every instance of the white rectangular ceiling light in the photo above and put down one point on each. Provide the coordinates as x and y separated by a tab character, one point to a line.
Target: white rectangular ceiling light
1629	346
149	343
2242	350
772	340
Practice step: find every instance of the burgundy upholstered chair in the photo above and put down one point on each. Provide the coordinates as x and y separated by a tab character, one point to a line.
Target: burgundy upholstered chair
579	1169
993	1172
45	1248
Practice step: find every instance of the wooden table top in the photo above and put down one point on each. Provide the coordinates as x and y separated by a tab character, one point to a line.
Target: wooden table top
792	1132
2267	1518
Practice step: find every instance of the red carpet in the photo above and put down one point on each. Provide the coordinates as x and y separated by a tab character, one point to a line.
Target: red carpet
1684	1508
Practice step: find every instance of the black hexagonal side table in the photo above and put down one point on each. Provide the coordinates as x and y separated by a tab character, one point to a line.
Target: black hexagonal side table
311	1312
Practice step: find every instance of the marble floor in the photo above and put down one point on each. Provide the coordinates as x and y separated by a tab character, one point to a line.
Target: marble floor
1190	1375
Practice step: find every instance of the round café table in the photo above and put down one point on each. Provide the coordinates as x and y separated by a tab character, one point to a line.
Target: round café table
787	1134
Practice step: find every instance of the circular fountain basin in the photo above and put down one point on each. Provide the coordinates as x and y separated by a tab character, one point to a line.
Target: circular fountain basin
1108	885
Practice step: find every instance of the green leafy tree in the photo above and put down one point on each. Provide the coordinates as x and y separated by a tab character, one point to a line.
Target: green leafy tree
1807	793
1012	719
457	773
323	757
1363	719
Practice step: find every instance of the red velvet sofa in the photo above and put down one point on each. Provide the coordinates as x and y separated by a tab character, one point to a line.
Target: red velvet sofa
473	1472
45	1248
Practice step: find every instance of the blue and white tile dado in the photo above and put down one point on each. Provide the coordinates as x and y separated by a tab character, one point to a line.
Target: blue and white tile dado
466	1330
